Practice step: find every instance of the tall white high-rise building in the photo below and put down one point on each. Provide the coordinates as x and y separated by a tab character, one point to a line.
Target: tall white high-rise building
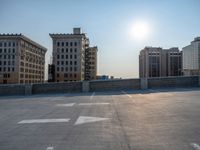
191	58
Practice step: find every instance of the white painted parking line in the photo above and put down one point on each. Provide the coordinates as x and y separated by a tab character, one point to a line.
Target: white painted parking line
126	94
66	105
91	97
44	121
195	146
89	104
87	119
49	148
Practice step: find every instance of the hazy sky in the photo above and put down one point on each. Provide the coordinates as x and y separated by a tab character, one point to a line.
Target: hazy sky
108	24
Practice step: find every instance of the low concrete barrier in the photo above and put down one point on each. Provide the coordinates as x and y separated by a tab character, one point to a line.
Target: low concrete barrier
113	85
105	85
12	89
182	81
63	87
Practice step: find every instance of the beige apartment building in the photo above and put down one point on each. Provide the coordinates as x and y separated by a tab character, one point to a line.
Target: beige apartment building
21	60
91	63
158	62
69	52
191	58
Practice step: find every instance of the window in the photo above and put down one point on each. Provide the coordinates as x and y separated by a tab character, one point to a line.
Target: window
13	69
65	75
57	75
62	50
75	62
13	50
71	50
66	43
9	44
70	62
62	56
71	44
13	44
75	43
66	50
75	50
63	44
58	63
5	44
62	62
66	62
70	68
4	81
70	56
4	56
58	43
58	56
0	62
13	56
74	75
0	44
4	62
66	69
75	56
75	69
0	50
66	56
5	51
57	68
62	69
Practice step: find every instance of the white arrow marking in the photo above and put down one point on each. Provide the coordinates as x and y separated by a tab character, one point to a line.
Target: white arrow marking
66	105
195	146
86	119
43	121
49	148
89	104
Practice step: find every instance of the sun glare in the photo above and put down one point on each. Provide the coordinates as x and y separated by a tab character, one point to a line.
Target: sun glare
140	30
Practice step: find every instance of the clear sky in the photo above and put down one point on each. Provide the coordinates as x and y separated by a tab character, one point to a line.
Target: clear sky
108	24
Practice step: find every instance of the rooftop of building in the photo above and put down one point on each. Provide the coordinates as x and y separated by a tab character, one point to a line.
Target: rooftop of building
196	39
64	35
76	33
23	37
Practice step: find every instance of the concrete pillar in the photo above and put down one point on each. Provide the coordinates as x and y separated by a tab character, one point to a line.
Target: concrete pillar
143	83
28	89
85	86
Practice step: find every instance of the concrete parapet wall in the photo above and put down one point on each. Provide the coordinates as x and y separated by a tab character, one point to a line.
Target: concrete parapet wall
64	87
184	81
113	85
12	89
105	85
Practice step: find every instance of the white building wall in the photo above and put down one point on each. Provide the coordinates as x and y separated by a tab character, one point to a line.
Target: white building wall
191	56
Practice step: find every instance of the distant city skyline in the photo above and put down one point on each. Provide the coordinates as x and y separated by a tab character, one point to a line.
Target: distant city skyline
108	24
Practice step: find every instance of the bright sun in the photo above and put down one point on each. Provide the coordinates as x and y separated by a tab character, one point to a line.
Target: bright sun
140	30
